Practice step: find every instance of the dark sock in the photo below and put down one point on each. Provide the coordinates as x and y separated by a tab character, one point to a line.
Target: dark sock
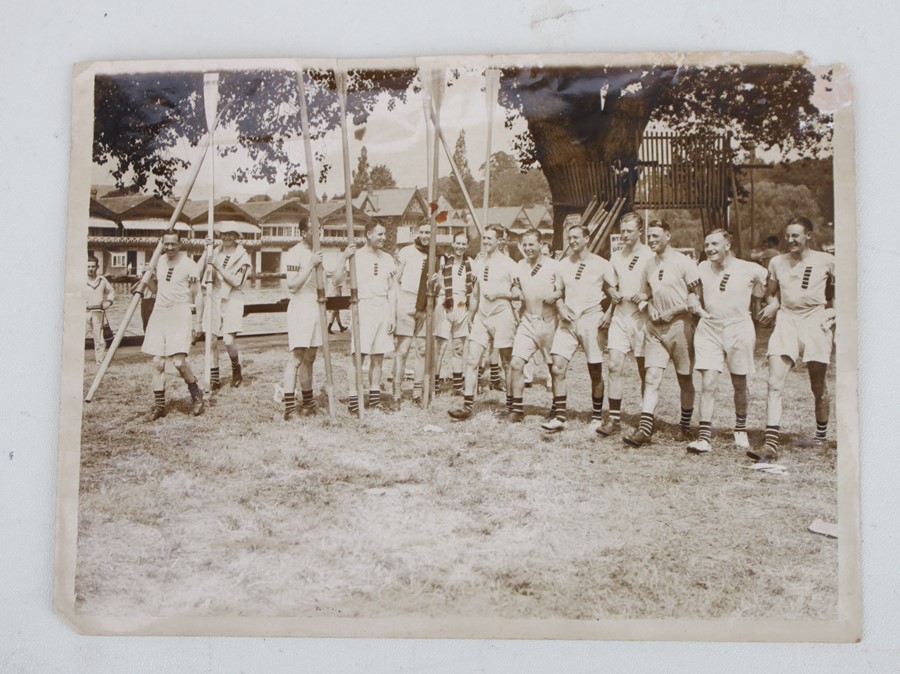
615	410
196	393
308	398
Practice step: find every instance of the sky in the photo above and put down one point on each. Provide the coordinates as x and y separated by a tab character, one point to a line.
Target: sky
396	138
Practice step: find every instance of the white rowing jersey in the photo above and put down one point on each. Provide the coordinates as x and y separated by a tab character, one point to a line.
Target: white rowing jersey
300	257
496	274
539	282
583	280
175	281
727	291
802	282
374	271
411	263
629	272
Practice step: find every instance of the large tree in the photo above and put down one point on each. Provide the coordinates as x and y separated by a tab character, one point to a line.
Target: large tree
575	116
360	177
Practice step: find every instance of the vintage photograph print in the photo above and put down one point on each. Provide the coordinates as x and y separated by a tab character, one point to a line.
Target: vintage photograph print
477	347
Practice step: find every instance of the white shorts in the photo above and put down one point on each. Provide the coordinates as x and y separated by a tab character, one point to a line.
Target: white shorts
406	315
801	338
671	341
498	329
303	323
717	345
373	328
168	331
627	333
453	324
227	315
534	334
584	333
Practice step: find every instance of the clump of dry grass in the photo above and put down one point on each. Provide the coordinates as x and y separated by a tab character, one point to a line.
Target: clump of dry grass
238	512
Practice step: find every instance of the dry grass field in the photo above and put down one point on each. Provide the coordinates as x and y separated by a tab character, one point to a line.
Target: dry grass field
238	512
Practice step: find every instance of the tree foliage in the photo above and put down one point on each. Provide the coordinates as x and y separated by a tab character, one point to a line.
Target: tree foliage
381	178
145	122
453	193
360	179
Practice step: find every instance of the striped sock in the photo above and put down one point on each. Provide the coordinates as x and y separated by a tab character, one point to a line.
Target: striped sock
646	423
375	398
214	376
740	422
495	375
772	433
290	403
559	407
159	399
686	417
308	398
596	408
458	381
437	383
615	410
821	429
235	359
706	430
509	402
518	405
468	402
417	390
352	403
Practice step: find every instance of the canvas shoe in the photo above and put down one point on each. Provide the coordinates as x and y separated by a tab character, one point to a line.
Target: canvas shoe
608	428
594	425
555	425
515	417
699	447
741	441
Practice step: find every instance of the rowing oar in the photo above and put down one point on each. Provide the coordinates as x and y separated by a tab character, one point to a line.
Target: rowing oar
340	79
210	105
314	232
437	94
491	78
138	292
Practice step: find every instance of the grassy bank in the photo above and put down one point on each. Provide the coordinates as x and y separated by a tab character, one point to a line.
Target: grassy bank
238	512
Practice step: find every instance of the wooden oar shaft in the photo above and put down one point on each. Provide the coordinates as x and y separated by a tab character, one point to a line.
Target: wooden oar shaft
148	273
314	233
430	365
341	81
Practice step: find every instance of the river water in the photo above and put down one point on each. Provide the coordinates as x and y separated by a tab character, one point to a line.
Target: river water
260	291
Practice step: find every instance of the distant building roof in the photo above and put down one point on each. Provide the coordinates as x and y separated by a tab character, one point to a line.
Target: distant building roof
389	203
508	216
539	216
224	209
264	212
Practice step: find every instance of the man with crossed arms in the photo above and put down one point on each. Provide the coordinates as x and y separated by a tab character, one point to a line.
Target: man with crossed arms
725	336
